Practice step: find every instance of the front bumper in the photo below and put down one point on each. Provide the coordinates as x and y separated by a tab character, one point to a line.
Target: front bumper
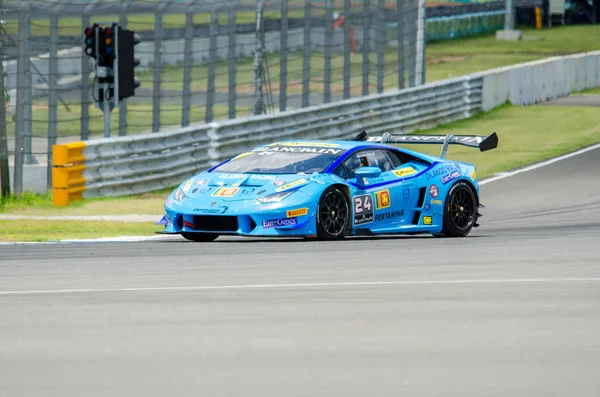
244	218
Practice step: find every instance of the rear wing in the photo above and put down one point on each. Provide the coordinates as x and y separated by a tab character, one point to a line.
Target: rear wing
483	143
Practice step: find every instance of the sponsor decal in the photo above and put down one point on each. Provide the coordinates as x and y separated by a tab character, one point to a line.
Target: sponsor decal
260	177
242	155
218	210
235	184
279	183
434	191
232	176
297	212
280	222
246	192
200	182
406	194
213	203
204	190
315	144
225	192
427	220
168	202
365	181
402	172
187	186
298	149
252	177
383	199
473	175
388	215
291	185
450	177
427	207
363	209
436	202
441	170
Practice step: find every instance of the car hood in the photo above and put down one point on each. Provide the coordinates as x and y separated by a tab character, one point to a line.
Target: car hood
234	187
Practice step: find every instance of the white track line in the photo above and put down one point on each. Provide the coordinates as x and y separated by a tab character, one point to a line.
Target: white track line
503	175
301	285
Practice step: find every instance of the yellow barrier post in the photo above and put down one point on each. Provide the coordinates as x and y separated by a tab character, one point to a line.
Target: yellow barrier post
538	18
68	182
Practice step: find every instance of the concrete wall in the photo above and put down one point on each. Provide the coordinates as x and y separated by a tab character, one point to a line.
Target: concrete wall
539	81
34	178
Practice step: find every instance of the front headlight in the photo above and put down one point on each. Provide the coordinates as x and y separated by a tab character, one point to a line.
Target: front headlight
179	195
274	197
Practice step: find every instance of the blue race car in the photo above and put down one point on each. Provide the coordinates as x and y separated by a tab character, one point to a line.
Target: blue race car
331	189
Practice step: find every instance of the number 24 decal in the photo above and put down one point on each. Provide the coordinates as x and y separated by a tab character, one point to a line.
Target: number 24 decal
363	203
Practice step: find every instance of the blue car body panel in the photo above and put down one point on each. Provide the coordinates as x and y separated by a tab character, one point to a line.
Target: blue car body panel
407	199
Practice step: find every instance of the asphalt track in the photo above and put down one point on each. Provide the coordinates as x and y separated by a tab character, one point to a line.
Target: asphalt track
512	310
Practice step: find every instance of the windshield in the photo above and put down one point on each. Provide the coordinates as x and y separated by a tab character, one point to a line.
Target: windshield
284	158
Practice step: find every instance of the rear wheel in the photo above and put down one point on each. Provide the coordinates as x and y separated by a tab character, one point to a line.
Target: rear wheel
333	213
460	211
200	237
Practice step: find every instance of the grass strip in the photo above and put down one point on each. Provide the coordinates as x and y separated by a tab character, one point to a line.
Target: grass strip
42	230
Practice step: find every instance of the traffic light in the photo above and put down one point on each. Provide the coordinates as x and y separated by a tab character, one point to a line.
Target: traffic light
90	41
106	47
125	80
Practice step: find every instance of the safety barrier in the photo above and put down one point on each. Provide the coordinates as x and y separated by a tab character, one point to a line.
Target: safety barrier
144	163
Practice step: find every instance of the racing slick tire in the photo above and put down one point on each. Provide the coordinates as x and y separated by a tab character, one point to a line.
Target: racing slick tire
333	214
460	211
200	237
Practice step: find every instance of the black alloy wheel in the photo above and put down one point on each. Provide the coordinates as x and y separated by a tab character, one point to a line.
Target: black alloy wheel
333	213
460	211
200	237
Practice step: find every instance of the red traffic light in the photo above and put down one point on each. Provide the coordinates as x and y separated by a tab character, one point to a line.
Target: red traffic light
108	32
89	32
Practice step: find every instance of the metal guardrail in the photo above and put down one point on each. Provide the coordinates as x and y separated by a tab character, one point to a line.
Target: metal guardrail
144	163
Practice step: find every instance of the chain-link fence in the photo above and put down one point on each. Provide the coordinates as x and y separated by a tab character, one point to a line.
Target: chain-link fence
205	60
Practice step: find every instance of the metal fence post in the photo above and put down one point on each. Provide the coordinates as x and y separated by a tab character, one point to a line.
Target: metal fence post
52	94
28	88
380	45
212	55
307	53
327	55
258	59
157	65
232	83
410	19
4	171
400	38
84	123
187	69
420	45
20	104
283	54
347	59
365	61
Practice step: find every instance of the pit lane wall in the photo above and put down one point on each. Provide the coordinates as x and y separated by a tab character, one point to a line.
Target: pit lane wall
144	163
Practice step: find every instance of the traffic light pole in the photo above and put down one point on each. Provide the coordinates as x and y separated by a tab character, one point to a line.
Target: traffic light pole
112	48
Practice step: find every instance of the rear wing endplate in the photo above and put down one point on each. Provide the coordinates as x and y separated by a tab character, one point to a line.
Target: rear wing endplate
483	143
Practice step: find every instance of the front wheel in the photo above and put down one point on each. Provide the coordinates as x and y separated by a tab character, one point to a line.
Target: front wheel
333	213
460	211
200	237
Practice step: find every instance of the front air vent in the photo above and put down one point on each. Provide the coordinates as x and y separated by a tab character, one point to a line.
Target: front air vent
216	223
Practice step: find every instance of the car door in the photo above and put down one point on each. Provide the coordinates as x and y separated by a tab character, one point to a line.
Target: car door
382	202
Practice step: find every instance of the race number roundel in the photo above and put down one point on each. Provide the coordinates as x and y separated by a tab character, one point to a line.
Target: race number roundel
433	190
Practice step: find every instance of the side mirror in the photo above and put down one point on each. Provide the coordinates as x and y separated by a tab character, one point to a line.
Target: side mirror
363	175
